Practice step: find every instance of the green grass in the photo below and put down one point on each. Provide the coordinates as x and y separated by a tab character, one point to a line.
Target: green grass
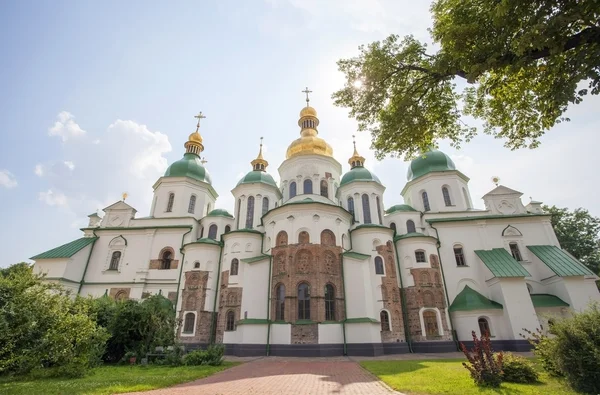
110	380
448	376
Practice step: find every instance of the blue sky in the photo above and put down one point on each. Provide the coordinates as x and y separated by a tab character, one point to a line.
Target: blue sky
96	98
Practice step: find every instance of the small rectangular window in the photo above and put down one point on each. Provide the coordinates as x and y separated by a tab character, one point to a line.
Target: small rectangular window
514	250
459	256
420	255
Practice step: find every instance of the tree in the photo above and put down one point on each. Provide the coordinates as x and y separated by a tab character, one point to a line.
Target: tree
514	65
578	232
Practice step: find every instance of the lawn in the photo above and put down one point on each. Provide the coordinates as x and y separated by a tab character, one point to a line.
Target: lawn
110	380
448	376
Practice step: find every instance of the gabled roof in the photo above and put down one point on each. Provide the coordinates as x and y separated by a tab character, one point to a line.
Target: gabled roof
559	261
120	205
502	190
547	300
501	263
469	299
66	250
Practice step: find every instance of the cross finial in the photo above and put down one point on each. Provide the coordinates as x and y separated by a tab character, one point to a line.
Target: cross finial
354	141
124	195
261	140
199	116
203	161
307	91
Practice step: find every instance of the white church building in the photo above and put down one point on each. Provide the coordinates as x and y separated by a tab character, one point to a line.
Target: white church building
319	265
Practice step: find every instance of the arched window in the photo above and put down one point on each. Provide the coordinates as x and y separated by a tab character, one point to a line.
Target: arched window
282	238
192	205
428	300
393	227
308	186
303	237
425	278
212	231
410	226
426	206
329	303
265	206
170	202
420	256
446	194
459	256
292	189
431	324
280	303
324	188
188	323
227	228
379	210
351	207
165	262
114	260
384	317
196	265
378	265
239	212
327	238
303	302
466	195
121	295
250	213
514	250
484	327
230	321
235	264
366	205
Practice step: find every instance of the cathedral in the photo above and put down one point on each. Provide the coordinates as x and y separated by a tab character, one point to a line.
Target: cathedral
319	265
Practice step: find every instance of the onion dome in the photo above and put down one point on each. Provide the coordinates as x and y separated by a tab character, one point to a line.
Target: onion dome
258	173
219	212
358	172
429	162
309	142
399	208
191	165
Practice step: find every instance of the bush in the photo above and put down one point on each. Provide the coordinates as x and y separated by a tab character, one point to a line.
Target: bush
544	349
485	366
213	356
516	369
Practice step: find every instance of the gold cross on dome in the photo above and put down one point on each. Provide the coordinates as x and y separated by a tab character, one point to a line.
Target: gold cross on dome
199	117
203	161
307	91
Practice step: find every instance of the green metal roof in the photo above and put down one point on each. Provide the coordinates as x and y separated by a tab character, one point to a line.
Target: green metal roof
256	176
371	226
189	166
501	263
412	234
469	299
559	261
219	212
205	240
255	258
429	162
476	218
547	300
356	255
399	207
66	250
358	173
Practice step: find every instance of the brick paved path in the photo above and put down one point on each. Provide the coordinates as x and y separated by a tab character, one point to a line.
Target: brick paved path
280	376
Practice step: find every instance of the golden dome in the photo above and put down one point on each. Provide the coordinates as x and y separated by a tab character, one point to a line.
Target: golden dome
309	142
259	164
195	137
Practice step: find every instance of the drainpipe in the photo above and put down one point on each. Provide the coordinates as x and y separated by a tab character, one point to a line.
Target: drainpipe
212	336
345	311
403	302
181	268
262	235
437	245
87	262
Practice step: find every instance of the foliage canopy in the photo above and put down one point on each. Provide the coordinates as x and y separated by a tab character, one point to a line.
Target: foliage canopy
514	65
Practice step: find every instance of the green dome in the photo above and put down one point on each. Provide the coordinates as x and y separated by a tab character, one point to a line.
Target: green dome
219	212
189	166
429	162
358	173
399	207
258	176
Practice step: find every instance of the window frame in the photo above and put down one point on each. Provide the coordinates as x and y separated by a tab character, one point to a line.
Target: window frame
425	201
417	256
280	302
384	318
303	312
487	323
192	204
265	205
213	229
249	212
118	260
516	251
307	183
459	256
230	321
379	265
235	263
165	262
293	191
191	332
410	229
351	209
329	302
446	196
170	202
366	206
324	189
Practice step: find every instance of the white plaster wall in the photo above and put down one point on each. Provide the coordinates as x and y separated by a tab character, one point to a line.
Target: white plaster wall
53	268
363	332
357	277
466	321
401	217
432	183
356	190
252	334
330	333
240	245
256	289
518	311
183	188
576	291
220	222
406	252
232	337
241	193
313	167
281	334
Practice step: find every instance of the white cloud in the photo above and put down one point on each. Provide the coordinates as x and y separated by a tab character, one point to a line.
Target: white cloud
52	198
88	176
39	170
65	127
7	179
